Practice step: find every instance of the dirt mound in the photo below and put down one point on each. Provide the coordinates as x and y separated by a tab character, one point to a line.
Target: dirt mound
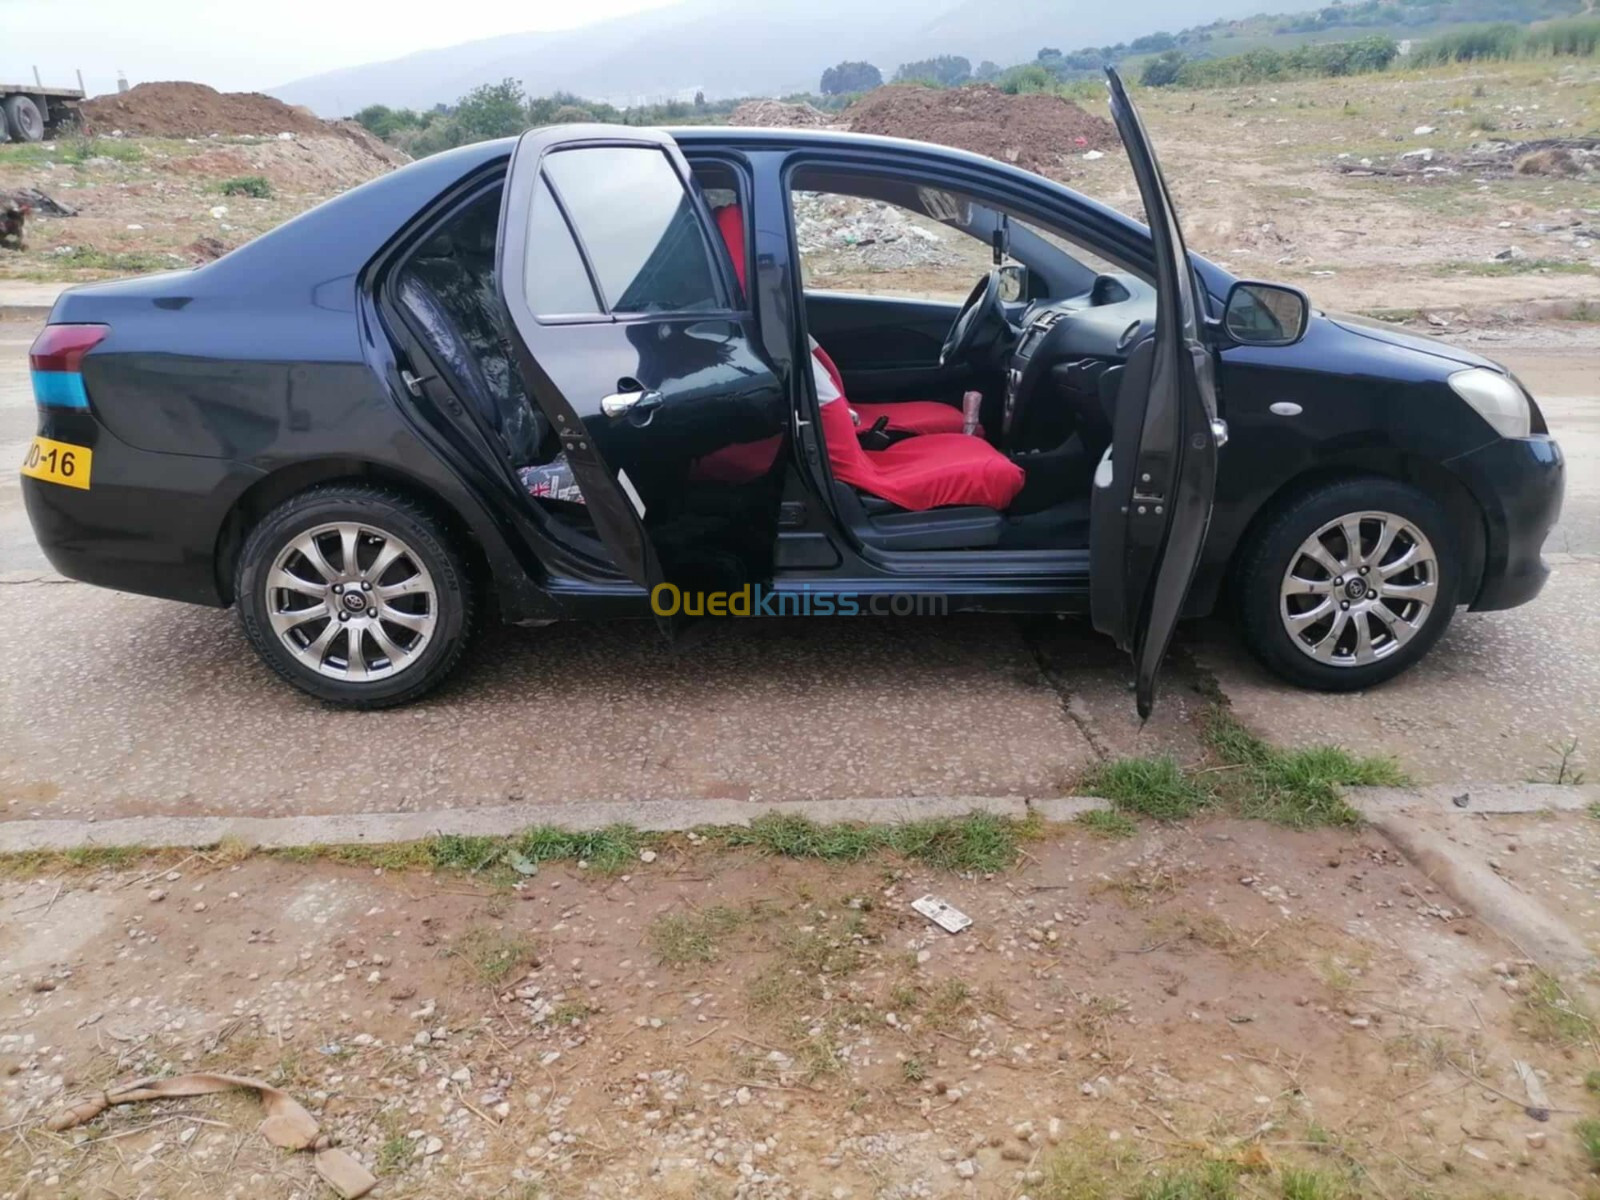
194	110
777	114
1035	131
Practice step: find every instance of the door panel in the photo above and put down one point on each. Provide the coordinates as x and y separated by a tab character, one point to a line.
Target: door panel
621	310
1153	493
885	346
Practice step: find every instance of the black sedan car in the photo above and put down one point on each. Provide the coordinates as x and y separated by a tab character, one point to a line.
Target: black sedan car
584	373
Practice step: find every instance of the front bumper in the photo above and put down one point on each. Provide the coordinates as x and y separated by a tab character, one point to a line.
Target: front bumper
1519	483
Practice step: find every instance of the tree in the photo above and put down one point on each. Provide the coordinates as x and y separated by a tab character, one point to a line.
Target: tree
851	77
1164	69
987	71
385	122
491	110
947	70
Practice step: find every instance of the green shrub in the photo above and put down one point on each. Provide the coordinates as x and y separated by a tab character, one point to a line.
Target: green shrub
257	187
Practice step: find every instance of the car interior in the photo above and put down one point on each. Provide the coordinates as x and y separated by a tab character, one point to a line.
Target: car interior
1042	339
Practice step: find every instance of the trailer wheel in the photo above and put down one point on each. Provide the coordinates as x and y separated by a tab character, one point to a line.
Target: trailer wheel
24	119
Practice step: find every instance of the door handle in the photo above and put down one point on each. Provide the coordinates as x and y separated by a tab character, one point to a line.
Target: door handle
620	404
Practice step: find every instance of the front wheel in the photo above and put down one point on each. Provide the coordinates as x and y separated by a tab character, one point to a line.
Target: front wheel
355	595
1349	585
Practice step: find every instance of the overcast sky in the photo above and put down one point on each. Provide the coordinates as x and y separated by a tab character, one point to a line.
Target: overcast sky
236	46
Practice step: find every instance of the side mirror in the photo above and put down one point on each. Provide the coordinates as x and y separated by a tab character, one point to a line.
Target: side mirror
1266	314
1013	283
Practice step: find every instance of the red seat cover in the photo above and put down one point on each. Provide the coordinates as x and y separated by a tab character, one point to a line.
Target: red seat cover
905	416
920	473
931	471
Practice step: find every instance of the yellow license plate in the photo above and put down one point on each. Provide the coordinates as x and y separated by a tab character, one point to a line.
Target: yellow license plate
58	462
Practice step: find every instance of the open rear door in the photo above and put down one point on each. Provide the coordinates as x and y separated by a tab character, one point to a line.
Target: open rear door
1153	492
631	336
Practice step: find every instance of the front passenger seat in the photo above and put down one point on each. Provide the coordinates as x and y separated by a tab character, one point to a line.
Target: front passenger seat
906	417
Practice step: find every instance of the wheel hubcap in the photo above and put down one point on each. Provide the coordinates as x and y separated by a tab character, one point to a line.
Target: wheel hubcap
1359	589
351	601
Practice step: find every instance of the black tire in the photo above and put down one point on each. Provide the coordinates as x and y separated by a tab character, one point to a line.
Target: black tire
24	120
453	602
1265	561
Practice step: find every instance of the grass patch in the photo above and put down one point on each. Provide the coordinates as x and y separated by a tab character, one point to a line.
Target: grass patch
1588	1132
256	187
678	939
1553	1014
1213	1181
393	1153
1298	1184
80	148
1107	822
1515	266
605	850
495	955
1298	788
976	842
126	261
1151	787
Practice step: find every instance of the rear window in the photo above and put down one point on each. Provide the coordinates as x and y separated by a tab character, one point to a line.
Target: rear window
556	282
638	227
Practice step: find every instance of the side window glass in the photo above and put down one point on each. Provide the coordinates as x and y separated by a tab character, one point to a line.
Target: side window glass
557	283
638	228
854	244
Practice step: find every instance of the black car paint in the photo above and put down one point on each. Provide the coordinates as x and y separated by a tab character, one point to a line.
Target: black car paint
250	378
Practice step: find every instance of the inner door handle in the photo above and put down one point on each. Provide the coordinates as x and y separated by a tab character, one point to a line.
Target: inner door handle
620	404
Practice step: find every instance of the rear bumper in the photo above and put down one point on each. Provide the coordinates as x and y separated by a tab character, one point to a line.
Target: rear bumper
1519	482
148	522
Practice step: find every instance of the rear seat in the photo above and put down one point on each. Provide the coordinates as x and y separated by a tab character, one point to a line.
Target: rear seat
448	287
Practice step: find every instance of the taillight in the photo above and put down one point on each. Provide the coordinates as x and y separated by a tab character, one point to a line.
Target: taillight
56	357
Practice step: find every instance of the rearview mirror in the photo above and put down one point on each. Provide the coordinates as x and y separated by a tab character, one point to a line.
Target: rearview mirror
1013	283
1266	314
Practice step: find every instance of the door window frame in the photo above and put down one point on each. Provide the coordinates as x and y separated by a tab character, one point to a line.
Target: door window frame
715	252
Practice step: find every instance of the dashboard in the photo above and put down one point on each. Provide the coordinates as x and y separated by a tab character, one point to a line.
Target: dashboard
1064	348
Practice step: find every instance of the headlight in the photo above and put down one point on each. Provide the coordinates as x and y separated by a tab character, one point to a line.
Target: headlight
1496	399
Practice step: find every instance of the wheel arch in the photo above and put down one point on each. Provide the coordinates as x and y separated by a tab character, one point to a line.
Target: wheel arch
265	494
1425	474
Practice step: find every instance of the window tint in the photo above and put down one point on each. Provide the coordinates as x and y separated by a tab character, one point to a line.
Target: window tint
639	228
556	282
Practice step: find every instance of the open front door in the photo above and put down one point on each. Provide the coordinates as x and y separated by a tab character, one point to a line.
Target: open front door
631	336
1153	492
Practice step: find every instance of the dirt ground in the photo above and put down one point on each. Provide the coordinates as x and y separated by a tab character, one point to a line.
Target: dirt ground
1299	1010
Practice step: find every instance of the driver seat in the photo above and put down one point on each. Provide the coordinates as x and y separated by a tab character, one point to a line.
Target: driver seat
906	417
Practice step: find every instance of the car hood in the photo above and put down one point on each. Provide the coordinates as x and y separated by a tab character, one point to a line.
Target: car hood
1380	331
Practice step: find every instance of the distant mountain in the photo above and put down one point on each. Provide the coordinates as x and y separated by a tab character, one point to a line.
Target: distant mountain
740	48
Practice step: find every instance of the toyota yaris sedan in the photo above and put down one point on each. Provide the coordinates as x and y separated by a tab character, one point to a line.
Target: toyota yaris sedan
584	373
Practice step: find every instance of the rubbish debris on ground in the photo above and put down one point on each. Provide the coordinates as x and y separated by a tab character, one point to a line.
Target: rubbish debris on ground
287	1124
943	914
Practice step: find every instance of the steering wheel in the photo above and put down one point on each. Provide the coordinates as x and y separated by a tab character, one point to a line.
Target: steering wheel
980	308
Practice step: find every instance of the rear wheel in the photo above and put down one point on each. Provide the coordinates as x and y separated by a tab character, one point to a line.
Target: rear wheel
23	119
1350	584
355	595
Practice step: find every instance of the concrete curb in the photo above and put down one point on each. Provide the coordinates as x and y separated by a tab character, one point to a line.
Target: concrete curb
1519	918
1480	798
1400	814
651	816
25	312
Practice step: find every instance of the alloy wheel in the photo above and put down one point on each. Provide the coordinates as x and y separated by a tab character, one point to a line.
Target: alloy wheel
351	601
1359	588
